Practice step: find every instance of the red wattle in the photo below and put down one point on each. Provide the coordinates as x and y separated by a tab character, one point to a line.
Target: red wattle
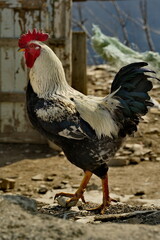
31	57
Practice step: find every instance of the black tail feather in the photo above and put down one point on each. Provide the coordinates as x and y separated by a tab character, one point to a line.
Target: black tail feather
133	85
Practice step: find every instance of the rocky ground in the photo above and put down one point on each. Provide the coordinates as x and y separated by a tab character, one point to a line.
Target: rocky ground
39	172
20	220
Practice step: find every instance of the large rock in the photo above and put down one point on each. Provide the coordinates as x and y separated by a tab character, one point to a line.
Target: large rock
16	223
26	203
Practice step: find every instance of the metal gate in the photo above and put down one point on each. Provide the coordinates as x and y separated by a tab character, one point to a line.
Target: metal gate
16	17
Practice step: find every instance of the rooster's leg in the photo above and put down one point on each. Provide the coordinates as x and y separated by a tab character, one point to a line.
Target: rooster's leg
106	198
79	193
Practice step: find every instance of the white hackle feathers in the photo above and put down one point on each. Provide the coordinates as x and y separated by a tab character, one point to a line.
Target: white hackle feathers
47	75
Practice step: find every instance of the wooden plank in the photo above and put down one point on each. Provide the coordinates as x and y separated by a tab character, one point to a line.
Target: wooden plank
18	128
7	71
20	75
7	118
19	137
12	97
13	42
57	42
79	78
21	121
7	54
8	42
9	4
23	4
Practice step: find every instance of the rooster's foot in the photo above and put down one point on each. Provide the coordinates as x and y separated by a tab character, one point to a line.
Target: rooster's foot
70	202
106	198
102	208
78	194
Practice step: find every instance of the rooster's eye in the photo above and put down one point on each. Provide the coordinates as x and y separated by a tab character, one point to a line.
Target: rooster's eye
31	45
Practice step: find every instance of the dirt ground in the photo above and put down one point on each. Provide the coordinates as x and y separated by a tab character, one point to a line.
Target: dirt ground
24	162
39	170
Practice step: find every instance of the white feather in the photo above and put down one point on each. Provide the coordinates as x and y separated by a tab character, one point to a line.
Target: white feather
73	133
47	74
98	113
66	133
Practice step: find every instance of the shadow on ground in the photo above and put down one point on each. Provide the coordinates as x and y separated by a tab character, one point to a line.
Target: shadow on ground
14	152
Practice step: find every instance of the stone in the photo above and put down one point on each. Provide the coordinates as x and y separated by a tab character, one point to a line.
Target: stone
26	203
139	193
87	219
135	160
61	154
64	182
38	177
119	161
49	178
137	149
58	186
152	131
42	190
62	201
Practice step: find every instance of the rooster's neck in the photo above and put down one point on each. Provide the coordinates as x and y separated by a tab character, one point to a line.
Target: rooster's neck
47	76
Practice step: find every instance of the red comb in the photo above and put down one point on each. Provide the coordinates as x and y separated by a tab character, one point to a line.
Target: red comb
29	36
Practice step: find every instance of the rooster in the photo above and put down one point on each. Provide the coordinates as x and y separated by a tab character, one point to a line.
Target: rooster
89	129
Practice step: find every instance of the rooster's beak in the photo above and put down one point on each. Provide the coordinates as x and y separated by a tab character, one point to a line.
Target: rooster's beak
21	49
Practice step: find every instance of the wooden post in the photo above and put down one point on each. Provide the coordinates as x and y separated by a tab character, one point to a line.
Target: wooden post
79	77
63	34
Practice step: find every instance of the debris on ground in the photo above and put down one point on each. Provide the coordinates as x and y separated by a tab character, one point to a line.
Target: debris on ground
6	184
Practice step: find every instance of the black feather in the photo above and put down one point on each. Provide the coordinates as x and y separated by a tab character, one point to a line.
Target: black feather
125	73
133	84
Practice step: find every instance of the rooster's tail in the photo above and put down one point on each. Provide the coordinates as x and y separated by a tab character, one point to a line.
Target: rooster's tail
131	86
